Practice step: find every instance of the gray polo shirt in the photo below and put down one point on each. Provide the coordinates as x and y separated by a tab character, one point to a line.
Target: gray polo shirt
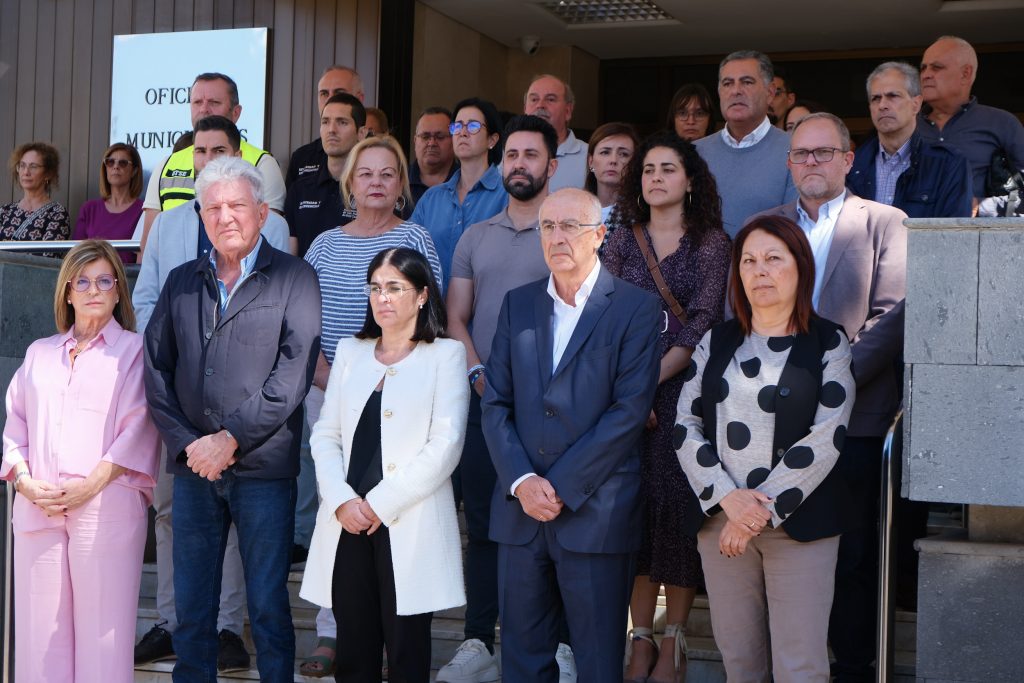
497	258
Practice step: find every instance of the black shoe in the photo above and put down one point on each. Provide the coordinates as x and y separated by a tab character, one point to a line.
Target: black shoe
231	654
154	646
299	554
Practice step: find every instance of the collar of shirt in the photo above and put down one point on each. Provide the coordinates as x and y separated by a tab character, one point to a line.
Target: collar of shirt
110	333
752	138
900	155
819	234
504	220
490	180
572	145
248	261
565	317
926	110
828	211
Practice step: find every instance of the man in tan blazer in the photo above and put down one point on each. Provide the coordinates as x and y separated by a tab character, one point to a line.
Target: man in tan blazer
860	249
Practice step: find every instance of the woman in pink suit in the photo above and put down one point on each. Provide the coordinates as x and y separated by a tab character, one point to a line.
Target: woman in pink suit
82	453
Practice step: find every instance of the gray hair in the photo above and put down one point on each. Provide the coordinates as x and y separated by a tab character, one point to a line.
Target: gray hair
911	77
764	65
570	96
844	132
228	169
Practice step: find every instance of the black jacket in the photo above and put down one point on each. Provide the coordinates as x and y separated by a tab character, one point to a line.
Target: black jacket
246	370
937	184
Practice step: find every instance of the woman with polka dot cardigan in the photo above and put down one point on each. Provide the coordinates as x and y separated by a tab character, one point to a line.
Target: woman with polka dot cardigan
761	421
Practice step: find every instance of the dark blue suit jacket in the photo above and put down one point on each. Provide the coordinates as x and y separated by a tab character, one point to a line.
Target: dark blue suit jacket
579	426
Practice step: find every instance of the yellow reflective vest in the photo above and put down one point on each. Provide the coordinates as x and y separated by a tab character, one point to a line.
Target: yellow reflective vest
177	179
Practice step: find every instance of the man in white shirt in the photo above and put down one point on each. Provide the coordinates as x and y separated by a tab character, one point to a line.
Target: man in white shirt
551	98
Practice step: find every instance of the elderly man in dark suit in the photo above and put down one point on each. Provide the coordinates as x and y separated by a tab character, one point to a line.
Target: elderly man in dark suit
860	253
230	352
571	380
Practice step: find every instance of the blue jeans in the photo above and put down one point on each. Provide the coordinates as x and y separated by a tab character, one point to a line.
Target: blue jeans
263	511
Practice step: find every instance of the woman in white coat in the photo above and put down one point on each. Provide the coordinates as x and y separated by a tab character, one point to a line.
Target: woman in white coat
386	552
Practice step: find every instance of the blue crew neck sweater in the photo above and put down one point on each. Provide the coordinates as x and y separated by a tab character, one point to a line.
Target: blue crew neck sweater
751	179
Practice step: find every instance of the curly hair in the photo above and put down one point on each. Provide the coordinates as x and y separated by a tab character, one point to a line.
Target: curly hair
702	208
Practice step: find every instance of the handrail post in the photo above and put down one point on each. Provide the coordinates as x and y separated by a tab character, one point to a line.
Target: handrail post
891	471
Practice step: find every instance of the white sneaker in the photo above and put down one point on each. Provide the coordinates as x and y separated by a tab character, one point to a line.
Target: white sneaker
472	663
566	664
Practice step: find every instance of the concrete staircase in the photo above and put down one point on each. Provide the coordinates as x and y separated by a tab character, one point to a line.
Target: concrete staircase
705	661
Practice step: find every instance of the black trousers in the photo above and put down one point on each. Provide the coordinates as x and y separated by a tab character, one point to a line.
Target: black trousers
474	481
854	617
363	595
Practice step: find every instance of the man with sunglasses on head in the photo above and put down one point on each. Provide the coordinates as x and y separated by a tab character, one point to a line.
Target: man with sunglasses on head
176	237
860	263
433	157
474	192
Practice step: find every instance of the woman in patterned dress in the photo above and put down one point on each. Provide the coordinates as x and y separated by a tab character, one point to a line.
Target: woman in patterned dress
670	195
35	167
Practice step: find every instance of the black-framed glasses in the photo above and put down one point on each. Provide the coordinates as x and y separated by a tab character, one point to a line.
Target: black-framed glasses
472	127
821	154
111	162
390	291
569	228
104	283
426	138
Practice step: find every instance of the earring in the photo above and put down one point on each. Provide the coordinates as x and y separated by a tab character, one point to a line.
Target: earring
689	199
640	201
421	306
400	204
591	169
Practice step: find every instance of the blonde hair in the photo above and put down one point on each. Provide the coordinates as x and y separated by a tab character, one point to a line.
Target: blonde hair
382	142
74	263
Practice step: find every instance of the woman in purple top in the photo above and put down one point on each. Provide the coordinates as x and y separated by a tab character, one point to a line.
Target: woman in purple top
113	217
669	193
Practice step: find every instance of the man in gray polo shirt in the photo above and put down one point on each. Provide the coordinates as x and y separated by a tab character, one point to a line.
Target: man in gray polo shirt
492	257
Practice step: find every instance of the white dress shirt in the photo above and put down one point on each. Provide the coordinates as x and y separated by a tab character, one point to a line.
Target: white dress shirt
750	139
819	234
563	323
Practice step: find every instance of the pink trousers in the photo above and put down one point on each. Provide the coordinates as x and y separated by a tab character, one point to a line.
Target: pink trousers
76	587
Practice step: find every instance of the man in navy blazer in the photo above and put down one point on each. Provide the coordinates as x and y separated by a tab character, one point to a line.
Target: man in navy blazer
571	380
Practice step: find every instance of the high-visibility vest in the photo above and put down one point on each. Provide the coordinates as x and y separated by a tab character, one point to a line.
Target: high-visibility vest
177	179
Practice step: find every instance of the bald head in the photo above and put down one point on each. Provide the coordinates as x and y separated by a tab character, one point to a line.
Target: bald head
948	69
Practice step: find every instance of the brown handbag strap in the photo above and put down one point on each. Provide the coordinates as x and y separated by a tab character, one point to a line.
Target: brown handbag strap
652	264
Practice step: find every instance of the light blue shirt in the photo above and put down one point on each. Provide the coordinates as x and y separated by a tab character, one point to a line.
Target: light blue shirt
248	262
888	169
819	234
440	212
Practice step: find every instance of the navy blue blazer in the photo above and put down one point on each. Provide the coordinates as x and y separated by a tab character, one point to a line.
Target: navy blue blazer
246	370
580	425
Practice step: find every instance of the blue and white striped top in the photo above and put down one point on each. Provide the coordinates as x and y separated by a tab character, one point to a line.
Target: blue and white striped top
341	260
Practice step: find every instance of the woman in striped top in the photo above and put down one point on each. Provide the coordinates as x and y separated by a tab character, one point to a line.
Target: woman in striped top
375	183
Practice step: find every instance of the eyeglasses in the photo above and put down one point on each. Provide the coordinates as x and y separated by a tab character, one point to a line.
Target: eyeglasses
23	166
472	127
694	114
821	155
569	228
111	162
390	291
104	283
438	138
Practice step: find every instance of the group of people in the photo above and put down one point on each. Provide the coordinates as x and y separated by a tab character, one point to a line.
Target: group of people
632	363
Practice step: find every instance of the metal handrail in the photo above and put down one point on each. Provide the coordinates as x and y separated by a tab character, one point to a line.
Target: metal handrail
6	667
62	245
891	478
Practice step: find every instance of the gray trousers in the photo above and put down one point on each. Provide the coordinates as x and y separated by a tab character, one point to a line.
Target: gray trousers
232	590
770	606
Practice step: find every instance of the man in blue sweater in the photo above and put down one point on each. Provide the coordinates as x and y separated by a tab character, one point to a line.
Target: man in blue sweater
899	168
748	156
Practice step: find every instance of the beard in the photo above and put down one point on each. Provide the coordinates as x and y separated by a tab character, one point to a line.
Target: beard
524	191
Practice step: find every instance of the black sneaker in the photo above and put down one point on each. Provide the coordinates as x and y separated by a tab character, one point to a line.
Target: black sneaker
231	654
299	554
154	646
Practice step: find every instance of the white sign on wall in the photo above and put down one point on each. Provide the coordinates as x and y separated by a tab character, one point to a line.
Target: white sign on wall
153	75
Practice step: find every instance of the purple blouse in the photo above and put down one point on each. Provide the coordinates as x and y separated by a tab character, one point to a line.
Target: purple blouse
696	275
95	222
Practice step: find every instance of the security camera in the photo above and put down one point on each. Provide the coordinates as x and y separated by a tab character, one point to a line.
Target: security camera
529	44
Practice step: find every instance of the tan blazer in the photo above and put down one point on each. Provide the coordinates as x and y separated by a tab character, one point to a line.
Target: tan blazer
863	290
424	408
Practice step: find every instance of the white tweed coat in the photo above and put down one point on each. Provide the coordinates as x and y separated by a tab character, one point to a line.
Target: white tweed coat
424	408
